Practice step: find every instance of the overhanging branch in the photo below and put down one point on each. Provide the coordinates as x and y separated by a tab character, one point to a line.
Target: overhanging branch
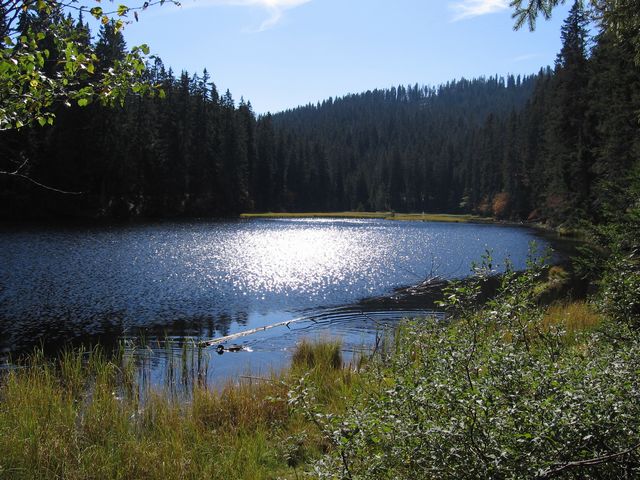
17	174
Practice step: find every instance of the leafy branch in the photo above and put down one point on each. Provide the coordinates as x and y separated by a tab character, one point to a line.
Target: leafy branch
45	63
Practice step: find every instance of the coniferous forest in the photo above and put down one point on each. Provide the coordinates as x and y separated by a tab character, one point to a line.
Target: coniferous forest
559	146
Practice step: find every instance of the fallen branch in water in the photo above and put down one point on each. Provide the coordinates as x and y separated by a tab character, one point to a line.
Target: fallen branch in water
286	323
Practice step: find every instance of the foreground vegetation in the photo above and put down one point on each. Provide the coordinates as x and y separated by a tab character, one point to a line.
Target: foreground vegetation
510	391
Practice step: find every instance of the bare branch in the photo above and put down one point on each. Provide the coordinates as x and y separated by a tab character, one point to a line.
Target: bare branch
17	170
558	468
17	173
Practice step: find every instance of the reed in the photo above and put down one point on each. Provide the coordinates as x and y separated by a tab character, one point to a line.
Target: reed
323	355
86	415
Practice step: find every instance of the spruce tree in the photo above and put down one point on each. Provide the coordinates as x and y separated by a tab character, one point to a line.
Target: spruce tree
111	45
568	157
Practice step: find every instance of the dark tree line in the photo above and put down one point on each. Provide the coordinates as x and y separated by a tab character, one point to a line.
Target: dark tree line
561	145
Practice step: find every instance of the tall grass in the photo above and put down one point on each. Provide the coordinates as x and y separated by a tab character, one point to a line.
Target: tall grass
83	416
321	363
574	317
325	355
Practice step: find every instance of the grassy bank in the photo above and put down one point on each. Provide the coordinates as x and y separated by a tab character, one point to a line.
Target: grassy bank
508	390
83	417
418	217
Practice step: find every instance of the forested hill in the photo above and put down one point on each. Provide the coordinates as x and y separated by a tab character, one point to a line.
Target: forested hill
561	146
409	148
474	99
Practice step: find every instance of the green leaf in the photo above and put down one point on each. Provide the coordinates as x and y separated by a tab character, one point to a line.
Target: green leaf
83	102
122	10
96	12
42	121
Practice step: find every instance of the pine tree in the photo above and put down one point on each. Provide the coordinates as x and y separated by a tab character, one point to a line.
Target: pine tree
568	156
111	45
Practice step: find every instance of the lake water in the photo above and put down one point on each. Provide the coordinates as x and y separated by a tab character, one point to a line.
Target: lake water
191	281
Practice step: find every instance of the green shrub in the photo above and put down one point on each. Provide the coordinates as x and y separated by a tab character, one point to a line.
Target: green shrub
619	295
508	391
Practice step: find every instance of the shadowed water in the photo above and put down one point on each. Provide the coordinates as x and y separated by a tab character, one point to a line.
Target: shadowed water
199	280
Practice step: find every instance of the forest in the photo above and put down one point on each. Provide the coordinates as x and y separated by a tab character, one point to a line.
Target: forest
559	146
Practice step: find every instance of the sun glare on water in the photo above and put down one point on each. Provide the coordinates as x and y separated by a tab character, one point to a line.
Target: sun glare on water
298	260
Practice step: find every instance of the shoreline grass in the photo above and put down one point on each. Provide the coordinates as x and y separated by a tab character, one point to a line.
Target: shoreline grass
416	217
82	416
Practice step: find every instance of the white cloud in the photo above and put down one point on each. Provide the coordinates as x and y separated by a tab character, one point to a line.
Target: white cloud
474	8
274	8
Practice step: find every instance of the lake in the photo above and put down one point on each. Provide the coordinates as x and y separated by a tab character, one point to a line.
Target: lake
190	281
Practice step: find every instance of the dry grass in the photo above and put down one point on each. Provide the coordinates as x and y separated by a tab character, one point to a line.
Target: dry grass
574	317
557	279
317	215
439	217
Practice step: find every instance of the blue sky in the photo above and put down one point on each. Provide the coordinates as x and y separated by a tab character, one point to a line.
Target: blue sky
283	53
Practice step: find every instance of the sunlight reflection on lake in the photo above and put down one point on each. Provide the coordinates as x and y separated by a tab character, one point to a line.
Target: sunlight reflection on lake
199	280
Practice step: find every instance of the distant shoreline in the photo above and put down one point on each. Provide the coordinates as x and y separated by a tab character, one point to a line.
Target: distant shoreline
555	232
424	217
